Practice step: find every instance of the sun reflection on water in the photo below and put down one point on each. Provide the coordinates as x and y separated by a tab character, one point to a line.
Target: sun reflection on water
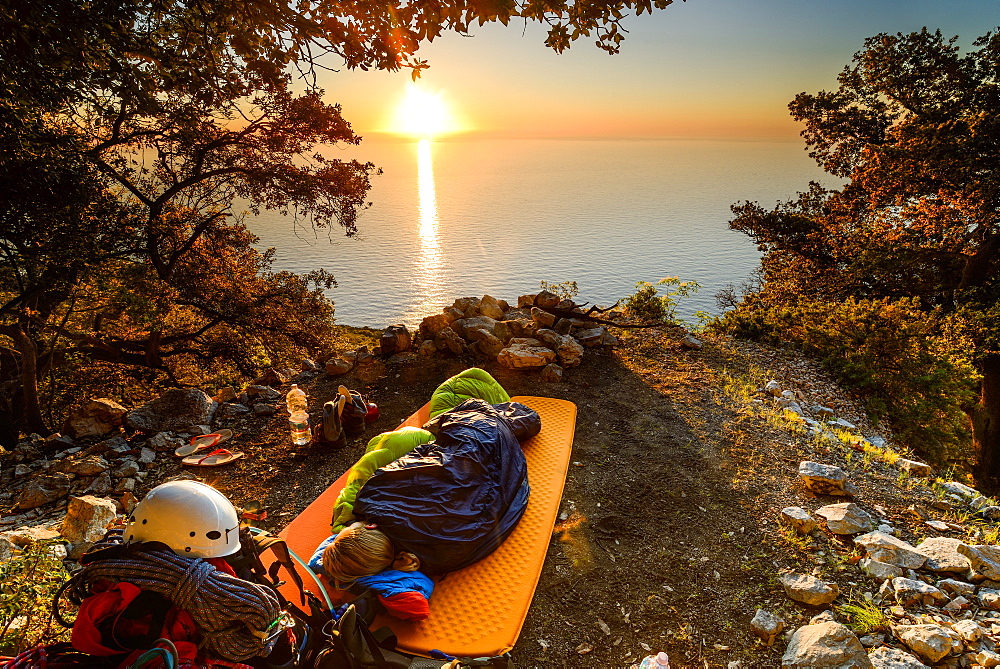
427	266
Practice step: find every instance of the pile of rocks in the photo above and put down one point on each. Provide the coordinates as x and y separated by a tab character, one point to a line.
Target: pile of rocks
938	598
529	337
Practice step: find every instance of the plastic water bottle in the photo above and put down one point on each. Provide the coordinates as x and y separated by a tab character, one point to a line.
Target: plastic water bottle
298	424
658	661
296	400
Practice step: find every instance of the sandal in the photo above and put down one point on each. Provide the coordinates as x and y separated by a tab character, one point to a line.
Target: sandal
203	441
220	456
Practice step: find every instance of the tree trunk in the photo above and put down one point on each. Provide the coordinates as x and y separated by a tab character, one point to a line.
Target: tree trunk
29	380
986	427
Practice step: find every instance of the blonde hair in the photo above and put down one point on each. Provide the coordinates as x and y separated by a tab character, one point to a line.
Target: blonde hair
357	551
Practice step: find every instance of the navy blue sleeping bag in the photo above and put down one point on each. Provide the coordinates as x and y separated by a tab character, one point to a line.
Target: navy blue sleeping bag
452	501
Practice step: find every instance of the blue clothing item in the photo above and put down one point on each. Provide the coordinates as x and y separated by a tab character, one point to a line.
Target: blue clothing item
452	501
386	583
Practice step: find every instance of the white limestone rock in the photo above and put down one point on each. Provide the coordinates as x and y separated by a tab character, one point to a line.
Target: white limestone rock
886	657
931	643
984	559
910	592
766	625
846	518
942	555
799	518
808	589
880	570
887	548
913	467
825	645
823	479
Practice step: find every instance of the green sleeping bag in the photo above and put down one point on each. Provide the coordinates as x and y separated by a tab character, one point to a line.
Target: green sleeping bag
472	383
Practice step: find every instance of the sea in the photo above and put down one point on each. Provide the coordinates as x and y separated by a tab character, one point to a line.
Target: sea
461	218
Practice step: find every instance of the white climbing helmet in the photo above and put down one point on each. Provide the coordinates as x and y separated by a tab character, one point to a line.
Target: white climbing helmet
193	519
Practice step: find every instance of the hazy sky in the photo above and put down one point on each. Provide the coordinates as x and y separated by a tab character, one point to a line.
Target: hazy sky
701	68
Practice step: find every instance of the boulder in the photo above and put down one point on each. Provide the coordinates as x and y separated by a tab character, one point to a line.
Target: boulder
87	519
507	330
462	325
165	441
931	643
880	570
890	550
490	306
546	299
910	592
766	625
395	339
989	598
955	587
691	342
338	367
175	410
798	518
592	337
985	559
469	306
543	318
823	479
448	339
569	351
969	630
524	356
431	325
913	467
96	418
91	465
101	485
227	394
808	589
846	518
487	344
825	645
427	348
552	373
27	536
7	549
985	657
525	301
272	377
44	489
942	555
887	657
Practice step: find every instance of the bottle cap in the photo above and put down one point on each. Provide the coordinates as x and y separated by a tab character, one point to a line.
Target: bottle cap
662	659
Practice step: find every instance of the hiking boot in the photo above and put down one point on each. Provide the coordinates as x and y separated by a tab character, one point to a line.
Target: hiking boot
330	431
355	409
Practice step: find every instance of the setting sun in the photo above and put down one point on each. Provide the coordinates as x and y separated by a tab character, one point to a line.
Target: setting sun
424	114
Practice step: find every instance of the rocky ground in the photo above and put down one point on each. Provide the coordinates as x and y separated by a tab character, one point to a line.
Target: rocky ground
669	535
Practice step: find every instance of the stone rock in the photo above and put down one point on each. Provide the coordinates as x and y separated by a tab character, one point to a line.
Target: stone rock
938	525
942	555
798	518
960	489
825	645
985	658
146	456
914	467
271	377
808	589
507	330
591	337
524	301
984	559
569	351
989	513
880	570
552	373
26	536
453	314
427	348
546	299
955	587
259	392
910	592
890	550
264	409
886	657
823	479
959	603
44	489
227	394
691	342
489	345
96	418
231	409
549	337
338	367
989	598
523	356
87	518
969	630
129	468
165	441
175	410
7	549
101	485
91	465
543	318
463	325
931	643
395	339
448	339
469	306
773	388
431	325
766	625
826	616
845	518
490	307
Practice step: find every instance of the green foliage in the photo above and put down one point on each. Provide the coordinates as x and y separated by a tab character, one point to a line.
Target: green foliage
910	367
865	617
28	584
648	305
566	290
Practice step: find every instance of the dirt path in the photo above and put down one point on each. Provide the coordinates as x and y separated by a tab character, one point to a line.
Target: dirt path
667	537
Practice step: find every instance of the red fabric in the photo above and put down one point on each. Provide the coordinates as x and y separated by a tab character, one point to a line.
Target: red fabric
406	605
97	608
221	565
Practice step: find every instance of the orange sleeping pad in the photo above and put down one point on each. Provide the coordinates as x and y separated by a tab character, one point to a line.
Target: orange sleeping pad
477	611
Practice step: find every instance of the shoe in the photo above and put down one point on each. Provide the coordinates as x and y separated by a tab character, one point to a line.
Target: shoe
355	410
330	432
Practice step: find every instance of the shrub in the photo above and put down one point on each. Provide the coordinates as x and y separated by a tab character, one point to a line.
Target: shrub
646	304
28	584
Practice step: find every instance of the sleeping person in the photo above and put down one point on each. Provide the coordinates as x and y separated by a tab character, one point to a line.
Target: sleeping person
439	499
